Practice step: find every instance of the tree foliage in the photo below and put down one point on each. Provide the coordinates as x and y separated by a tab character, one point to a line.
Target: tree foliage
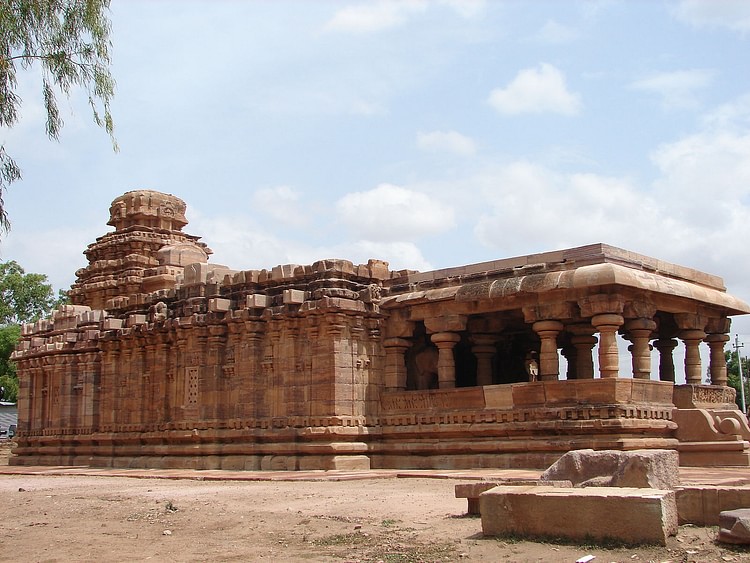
23	298
69	41
733	375
9	336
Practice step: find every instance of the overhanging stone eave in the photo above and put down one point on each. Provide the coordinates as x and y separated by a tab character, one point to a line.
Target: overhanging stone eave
604	276
615	275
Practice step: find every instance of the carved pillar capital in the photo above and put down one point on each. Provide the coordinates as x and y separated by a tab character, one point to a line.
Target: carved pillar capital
690	321
601	303
548	311
445	323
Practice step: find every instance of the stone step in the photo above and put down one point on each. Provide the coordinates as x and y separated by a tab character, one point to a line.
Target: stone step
631	515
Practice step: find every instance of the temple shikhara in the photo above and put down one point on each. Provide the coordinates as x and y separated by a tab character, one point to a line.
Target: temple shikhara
166	360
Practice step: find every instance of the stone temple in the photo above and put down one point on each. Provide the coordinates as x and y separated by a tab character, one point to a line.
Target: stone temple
165	360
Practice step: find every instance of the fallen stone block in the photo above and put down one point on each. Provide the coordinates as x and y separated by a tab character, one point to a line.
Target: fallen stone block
734	526
655	469
471	491
630	515
702	504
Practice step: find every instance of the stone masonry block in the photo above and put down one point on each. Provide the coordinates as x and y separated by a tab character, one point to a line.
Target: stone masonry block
112	324
293	296
631	515
134	320
378	269
196	273
283	271
219	305
256	301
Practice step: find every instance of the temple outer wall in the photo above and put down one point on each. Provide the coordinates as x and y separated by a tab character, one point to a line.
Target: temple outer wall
164	360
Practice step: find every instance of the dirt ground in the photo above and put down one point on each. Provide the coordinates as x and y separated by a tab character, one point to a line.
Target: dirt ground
78	518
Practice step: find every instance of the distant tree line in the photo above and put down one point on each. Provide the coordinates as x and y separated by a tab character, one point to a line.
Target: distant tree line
733	375
24	298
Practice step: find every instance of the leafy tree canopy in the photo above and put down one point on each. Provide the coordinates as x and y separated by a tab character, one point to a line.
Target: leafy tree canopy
23	297
733	375
69	41
9	335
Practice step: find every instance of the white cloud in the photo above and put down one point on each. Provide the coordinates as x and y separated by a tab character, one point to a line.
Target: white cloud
56	252
281	203
676	88
732	14
382	15
536	90
242	244
555	33
391	213
446	141
694	213
530	208
399	255
375	16
730	116
704	177
465	8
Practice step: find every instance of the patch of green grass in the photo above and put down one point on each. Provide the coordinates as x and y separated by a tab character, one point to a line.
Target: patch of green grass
388	523
586	542
350	539
390	547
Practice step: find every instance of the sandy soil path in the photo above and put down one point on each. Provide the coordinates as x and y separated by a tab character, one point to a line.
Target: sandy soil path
79	518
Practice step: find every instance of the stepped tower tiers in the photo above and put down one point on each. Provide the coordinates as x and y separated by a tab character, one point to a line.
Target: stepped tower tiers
146	253
165	360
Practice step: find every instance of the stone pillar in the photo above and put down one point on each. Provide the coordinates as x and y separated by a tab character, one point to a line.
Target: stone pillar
666	361
693	369
549	362
484	350
718	329
395	363
607	325
445	341
639	333
717	363
584	341
692	333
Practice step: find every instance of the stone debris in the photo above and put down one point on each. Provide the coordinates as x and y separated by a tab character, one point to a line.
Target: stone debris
734	526
631	515
655	469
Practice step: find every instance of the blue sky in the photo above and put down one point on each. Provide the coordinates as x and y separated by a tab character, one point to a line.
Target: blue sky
430	133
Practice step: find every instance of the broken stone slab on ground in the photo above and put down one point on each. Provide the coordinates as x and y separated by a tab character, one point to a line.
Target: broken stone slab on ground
629	514
734	526
471	491
656	469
